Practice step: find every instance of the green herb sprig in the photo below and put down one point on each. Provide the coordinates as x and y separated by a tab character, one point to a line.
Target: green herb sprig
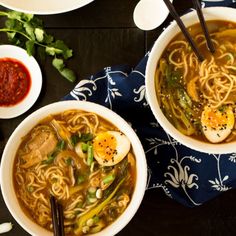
26	31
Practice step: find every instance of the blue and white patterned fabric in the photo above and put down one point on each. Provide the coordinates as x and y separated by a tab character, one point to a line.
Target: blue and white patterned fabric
188	176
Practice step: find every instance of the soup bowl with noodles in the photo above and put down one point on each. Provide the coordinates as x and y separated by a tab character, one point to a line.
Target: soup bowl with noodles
84	155
195	102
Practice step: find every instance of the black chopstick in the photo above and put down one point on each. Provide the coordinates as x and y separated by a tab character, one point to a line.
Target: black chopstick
57	217
198	8
61	220
183	29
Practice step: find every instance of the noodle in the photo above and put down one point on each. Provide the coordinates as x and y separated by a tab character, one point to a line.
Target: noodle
210	75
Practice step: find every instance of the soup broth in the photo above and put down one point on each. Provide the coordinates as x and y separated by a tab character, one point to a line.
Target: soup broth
199	98
82	160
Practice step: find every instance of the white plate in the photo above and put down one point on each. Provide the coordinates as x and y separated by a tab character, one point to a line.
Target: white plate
31	64
44	7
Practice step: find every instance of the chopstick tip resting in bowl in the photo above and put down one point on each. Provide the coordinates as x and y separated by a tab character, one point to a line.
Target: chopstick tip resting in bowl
198	8
57	217
185	32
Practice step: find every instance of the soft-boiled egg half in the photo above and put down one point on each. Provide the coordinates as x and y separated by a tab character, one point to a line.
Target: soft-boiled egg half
110	147
217	123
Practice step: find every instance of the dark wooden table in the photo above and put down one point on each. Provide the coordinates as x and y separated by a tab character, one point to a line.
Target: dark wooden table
102	34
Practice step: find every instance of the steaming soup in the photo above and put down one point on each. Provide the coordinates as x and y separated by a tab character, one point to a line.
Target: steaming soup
85	162
199	98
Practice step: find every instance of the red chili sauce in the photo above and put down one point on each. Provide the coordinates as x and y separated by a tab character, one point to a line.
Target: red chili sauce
15	81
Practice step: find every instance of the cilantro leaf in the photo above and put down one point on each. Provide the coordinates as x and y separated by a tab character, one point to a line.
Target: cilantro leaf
39	33
48	39
52	50
68	74
14	24
58	64
36	22
14	15
66	52
30	47
11	35
26	30
27	17
29	29
85	137
65	72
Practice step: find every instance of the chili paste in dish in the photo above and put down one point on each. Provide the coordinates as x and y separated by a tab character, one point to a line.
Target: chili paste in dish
15	81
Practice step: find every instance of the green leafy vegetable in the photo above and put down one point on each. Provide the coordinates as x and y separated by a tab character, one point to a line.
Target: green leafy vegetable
90	155
184	99
173	78
74	139
85	137
109	178
69	161
61	144
80	179
26	31
49	160
30	47
178	107
222	108
84	147
39	34
96	219
60	66
95	211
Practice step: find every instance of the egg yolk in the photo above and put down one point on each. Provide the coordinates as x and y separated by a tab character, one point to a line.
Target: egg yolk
105	146
217	119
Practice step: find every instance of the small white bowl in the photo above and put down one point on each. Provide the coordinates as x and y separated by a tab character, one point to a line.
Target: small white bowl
212	13
6	171
14	52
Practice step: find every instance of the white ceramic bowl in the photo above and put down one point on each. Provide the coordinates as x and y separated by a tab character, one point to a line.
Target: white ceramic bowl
7	161
213	13
14	52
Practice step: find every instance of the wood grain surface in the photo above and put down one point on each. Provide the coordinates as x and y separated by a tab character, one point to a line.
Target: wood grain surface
103	34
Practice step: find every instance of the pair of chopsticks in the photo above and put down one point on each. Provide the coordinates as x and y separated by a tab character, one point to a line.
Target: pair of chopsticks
57	217
184	30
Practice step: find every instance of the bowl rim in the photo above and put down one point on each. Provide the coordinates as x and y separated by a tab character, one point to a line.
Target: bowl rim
44	7
29	122
190	18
